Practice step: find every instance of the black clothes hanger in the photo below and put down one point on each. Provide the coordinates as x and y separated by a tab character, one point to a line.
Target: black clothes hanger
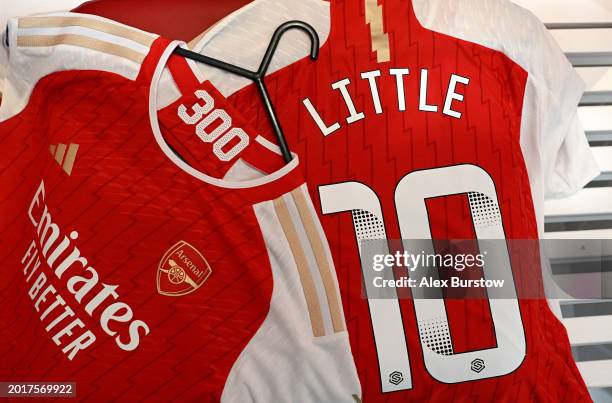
258	76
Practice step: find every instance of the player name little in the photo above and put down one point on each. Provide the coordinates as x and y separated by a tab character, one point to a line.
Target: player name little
428	282
453	97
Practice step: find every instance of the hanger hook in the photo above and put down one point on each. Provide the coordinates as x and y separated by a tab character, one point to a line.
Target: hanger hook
280	31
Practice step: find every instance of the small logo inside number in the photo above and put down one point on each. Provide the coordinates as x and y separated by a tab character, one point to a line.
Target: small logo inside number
478	365
396	377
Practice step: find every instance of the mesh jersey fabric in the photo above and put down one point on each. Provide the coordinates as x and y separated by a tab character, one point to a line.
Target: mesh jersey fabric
541	129
385	159
133	274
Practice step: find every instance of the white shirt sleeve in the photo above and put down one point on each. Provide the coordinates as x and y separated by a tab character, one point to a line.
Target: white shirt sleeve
567	161
556	150
574	165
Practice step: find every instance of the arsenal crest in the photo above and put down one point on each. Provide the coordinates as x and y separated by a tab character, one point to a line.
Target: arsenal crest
182	270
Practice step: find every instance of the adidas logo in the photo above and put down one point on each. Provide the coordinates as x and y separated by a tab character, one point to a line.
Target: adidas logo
64	155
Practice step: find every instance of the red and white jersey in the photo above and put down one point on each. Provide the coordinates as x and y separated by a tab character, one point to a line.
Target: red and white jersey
429	119
130	272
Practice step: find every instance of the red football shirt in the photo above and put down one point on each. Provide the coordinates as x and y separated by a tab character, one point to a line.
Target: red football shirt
130	272
450	132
